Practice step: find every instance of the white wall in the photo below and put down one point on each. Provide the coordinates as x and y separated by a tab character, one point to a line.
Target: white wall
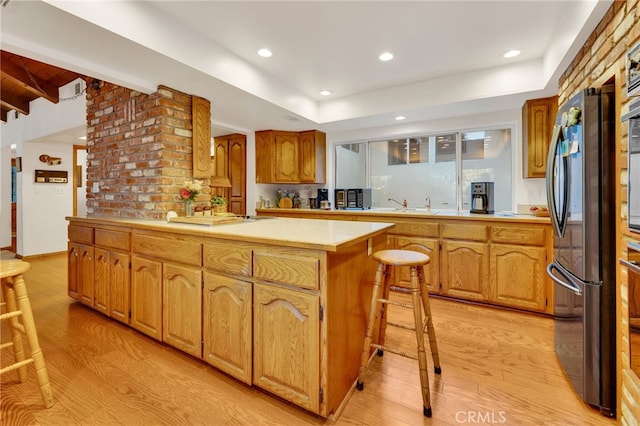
5	195
41	208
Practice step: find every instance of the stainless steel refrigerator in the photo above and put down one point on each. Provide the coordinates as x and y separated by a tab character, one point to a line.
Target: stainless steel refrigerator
581	197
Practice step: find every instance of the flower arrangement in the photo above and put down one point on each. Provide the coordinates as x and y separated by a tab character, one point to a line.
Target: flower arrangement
217	200
191	190
218	205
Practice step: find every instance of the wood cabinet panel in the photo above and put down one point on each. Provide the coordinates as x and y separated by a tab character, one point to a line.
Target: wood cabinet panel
417	229
312	156
227	325
287	266
201	137
113	239
286	357
286	157
465	269
101	280
80	234
146	296
518	276
428	246
463	231
73	262
175	249
234	259
229	162
518	235
120	286
182	308
538	116
81	273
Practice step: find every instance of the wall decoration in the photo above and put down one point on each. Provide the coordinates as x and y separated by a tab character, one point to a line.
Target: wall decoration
51	161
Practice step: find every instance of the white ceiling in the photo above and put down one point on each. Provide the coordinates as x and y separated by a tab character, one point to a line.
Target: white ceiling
448	54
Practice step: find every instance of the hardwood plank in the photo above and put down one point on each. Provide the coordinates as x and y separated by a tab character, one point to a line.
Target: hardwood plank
494	363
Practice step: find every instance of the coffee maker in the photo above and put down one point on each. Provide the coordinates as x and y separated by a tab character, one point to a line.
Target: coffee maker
482	197
323	195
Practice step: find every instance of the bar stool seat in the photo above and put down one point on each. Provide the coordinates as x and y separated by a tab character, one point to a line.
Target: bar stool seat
419	302
16	305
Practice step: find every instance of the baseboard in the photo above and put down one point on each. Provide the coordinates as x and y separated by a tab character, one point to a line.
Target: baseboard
36	256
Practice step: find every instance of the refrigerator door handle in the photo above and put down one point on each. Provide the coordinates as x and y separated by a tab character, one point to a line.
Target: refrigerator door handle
551	160
569	285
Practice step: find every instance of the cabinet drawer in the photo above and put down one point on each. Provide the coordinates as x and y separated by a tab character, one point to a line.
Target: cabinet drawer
173	249
417	228
292	267
80	234
113	239
464	231
229	257
518	235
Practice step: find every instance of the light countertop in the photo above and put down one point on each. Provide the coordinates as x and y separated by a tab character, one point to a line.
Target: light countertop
327	235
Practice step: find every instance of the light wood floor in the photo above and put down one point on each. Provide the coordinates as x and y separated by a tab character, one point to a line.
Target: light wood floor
497	367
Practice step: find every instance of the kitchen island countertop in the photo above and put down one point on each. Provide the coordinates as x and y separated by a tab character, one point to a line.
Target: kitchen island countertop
328	235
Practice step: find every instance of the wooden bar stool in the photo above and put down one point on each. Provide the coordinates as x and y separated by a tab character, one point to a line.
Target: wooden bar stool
419	297
16	304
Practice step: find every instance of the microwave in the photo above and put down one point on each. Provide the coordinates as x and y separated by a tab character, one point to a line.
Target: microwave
633	167
354	198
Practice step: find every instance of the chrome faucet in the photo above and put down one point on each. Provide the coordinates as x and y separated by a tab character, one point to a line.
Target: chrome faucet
403	203
428	203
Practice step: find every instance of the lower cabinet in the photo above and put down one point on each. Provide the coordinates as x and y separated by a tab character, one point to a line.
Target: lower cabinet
286	344
518	276
182	307
112	284
146	296
465	266
227	325
80	268
428	246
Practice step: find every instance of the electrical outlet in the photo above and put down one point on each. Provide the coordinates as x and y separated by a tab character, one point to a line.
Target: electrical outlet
59	191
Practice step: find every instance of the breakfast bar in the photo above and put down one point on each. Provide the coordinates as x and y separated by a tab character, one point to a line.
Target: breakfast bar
276	303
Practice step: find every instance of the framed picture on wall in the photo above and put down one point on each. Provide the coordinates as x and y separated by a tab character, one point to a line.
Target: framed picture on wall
18	164
78	176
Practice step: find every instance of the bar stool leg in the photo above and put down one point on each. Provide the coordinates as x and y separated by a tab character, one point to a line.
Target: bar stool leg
32	337
382	334
431	332
373	313
422	357
16	337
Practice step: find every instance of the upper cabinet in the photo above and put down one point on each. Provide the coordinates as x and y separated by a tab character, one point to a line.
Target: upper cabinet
290	157
538	116
229	168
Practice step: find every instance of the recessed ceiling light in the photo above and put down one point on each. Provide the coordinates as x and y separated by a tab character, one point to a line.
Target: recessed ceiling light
511	54
400	117
325	92
265	53
386	56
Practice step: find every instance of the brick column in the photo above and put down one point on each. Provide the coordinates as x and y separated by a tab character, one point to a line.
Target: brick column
139	151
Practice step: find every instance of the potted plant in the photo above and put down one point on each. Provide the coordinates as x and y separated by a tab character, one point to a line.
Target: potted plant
218	204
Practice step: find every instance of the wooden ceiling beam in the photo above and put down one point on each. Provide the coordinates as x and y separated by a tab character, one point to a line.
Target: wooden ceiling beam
11	101
20	76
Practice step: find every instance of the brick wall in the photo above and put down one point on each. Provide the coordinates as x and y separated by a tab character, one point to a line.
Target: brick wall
602	59
139	151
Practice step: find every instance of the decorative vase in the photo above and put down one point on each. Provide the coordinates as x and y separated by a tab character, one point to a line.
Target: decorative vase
188	208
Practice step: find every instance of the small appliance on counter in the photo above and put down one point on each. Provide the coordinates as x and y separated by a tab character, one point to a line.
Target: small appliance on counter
482	197
323	195
353	199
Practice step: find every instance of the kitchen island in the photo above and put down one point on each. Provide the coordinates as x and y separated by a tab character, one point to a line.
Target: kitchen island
495	259
277	303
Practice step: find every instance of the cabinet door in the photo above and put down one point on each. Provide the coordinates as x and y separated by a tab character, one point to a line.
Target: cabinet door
182	308
286	160
518	276
465	272
237	174
119	287
312	157
227	333
86	275
101	280
428	246
146	296
538	117
73	268
286	359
